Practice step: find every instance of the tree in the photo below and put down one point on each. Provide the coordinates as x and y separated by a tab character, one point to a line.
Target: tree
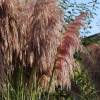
73	8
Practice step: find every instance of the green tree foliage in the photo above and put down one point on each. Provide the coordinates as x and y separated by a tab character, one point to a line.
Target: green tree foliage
72	8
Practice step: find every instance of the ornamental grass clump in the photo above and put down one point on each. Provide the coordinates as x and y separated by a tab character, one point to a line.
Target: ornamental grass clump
64	64
92	64
31	39
29	36
35	57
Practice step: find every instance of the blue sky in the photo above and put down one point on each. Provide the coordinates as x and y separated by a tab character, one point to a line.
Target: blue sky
95	22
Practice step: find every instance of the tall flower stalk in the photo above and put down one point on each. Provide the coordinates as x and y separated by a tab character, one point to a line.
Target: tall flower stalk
64	64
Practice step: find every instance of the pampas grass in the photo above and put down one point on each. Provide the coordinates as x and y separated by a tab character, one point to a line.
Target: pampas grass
33	50
45	35
92	64
65	51
29	32
30	40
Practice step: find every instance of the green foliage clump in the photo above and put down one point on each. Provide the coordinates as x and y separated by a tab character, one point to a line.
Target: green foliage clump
90	40
87	89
